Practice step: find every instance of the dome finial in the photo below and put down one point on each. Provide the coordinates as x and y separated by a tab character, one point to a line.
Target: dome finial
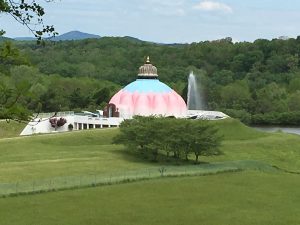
148	70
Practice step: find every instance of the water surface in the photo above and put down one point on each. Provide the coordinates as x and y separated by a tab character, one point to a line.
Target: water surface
290	130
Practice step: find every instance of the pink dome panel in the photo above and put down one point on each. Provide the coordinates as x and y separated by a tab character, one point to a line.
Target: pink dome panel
142	106
146	104
160	105
148	97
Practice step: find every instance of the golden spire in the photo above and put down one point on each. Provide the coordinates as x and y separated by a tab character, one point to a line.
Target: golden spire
148	60
148	70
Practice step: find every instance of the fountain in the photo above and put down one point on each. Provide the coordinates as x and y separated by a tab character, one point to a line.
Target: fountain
194	101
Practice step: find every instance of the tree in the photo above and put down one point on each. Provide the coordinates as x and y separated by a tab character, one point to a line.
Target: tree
152	136
236	95
206	140
223	77
14	92
135	134
294	84
10	56
102	96
271	98
294	101
29	14
176	137
78	100
10	98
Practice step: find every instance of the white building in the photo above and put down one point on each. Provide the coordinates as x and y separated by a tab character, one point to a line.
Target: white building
83	121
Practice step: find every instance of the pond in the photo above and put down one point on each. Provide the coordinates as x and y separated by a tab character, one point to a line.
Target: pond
291	130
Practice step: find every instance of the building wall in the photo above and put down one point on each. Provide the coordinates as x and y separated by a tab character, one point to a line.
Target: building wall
42	125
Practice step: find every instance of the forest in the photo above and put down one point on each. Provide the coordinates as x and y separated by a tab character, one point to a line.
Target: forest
258	82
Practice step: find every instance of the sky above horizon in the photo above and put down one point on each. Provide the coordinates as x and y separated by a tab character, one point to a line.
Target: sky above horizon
170	21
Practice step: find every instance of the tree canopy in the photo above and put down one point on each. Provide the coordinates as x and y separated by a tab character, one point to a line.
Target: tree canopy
154	136
245	80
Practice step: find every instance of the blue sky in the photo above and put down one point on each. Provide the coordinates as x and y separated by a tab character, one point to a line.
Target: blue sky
169	21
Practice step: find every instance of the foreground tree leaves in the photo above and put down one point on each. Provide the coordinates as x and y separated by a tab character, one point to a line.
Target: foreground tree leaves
29	14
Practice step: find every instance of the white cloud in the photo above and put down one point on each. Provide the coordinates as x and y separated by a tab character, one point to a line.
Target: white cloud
207	5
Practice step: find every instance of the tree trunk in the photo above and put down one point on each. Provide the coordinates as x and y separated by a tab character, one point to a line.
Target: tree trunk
155	154
176	154
197	156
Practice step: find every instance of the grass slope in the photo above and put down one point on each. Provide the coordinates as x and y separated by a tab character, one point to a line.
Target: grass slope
76	153
91	152
246	198
250	197
244	143
11	129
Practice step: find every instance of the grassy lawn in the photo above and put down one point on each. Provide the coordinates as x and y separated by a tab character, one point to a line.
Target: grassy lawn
249	197
244	143
91	152
254	198
11	129
76	153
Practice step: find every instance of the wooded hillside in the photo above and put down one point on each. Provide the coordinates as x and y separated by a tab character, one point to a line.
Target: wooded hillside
258	82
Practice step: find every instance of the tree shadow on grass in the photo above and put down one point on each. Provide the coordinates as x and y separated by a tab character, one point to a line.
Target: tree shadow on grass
137	157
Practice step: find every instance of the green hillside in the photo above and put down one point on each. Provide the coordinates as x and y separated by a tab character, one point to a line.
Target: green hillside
251	191
10	129
91	152
257	82
244	143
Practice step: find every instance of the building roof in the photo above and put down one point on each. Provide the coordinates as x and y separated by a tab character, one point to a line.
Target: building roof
147	85
148	70
148	96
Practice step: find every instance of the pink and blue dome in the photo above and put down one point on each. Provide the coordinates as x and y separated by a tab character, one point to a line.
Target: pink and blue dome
148	96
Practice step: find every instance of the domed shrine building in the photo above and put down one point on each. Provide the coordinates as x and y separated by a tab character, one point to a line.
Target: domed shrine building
146	96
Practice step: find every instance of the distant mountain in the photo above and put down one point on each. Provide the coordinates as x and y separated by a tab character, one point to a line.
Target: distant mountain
74	35
25	39
78	35
4	38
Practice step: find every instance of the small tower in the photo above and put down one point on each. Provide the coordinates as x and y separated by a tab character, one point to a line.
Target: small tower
148	71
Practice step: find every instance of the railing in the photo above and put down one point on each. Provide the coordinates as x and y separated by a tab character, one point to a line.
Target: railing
58	114
98	120
69	182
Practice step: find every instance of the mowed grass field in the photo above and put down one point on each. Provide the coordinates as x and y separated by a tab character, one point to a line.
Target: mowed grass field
92	152
248	197
68	154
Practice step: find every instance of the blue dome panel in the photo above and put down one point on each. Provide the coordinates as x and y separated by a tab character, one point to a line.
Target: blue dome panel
147	85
